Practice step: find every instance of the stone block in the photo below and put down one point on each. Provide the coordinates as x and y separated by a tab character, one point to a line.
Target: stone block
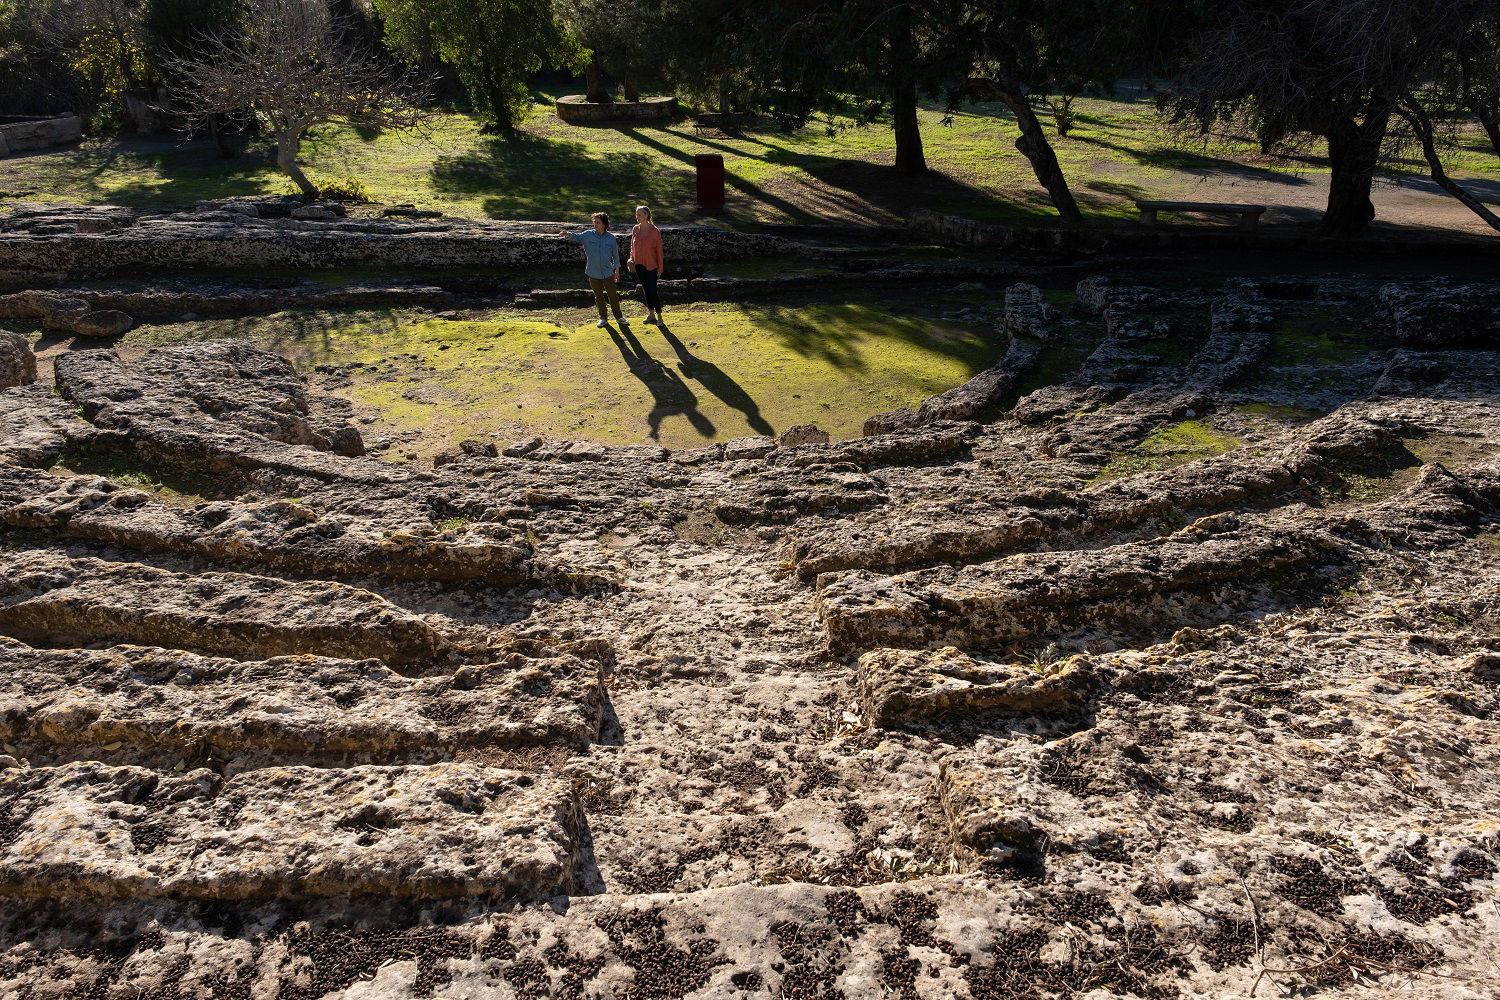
100	831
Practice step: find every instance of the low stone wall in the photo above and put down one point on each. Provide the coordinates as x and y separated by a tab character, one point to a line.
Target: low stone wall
575	109
224	240
38	133
952	230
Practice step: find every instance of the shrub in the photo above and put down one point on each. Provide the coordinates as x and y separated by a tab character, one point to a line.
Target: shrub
348	188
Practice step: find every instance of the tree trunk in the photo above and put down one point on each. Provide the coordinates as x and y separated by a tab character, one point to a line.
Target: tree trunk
288	144
632	92
724	96
1416	117
1491	123
910	158
221	141
1034	146
500	110
1353	151
593	76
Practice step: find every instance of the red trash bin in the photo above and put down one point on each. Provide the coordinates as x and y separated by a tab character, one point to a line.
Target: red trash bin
710	167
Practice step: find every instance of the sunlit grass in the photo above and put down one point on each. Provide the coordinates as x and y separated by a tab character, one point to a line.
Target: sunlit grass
1116	152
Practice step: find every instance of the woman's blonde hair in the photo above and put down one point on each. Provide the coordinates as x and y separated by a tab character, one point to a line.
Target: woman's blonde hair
646	209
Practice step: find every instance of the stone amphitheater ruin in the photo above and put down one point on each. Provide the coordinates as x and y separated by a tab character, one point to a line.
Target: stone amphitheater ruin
1022	693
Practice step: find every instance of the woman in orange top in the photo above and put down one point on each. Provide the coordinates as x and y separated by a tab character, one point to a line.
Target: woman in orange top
649	262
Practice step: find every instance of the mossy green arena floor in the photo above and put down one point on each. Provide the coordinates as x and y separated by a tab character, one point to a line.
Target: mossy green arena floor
715	372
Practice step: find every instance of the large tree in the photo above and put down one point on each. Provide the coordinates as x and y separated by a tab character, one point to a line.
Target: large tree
1337	69
1461	84
493	44
857	59
619	40
292	69
1021	50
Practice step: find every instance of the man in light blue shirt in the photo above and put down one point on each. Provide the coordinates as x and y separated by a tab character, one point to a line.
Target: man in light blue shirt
602	265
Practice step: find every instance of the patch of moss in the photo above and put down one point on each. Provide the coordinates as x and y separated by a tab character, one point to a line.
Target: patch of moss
1445	449
1061	298
1168	447
1317	336
1354	487
170	486
1279	412
715	372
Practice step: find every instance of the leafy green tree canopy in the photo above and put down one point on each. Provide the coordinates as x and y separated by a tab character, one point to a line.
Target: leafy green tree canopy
493	44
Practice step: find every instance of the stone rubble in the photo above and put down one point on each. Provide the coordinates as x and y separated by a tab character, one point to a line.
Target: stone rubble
995	701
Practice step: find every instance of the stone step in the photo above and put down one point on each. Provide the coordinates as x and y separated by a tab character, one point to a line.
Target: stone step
282	534
1022	595
94	830
87	601
899	686
974	530
151	698
220	407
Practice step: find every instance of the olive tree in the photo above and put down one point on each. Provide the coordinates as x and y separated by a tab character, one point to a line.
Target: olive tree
292	69
1337	69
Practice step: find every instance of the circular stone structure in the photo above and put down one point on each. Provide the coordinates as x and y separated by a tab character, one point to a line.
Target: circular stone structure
576	109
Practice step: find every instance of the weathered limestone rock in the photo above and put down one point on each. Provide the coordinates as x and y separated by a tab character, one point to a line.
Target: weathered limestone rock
215	406
65	313
1016	597
261	234
897	448
973	529
17	362
741	449
802	434
962	402
1441	315
282	534
34	425
1027	313
101	323
39	133
786	494
315	213
152	698
93	830
90	600
898	686
1021	595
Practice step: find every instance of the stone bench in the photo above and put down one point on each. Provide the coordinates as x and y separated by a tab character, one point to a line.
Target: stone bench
1249	214
20	134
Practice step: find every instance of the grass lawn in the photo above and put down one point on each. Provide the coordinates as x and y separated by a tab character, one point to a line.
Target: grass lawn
717	372
551	170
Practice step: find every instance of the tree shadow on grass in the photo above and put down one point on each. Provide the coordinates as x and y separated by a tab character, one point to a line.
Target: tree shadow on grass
1190	162
180	173
753	191
859	184
849	336
526	175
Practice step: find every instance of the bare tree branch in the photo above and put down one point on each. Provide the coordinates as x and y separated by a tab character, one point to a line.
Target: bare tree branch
293	69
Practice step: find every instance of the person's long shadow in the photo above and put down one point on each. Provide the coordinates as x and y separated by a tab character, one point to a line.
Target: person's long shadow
714	379
670	395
